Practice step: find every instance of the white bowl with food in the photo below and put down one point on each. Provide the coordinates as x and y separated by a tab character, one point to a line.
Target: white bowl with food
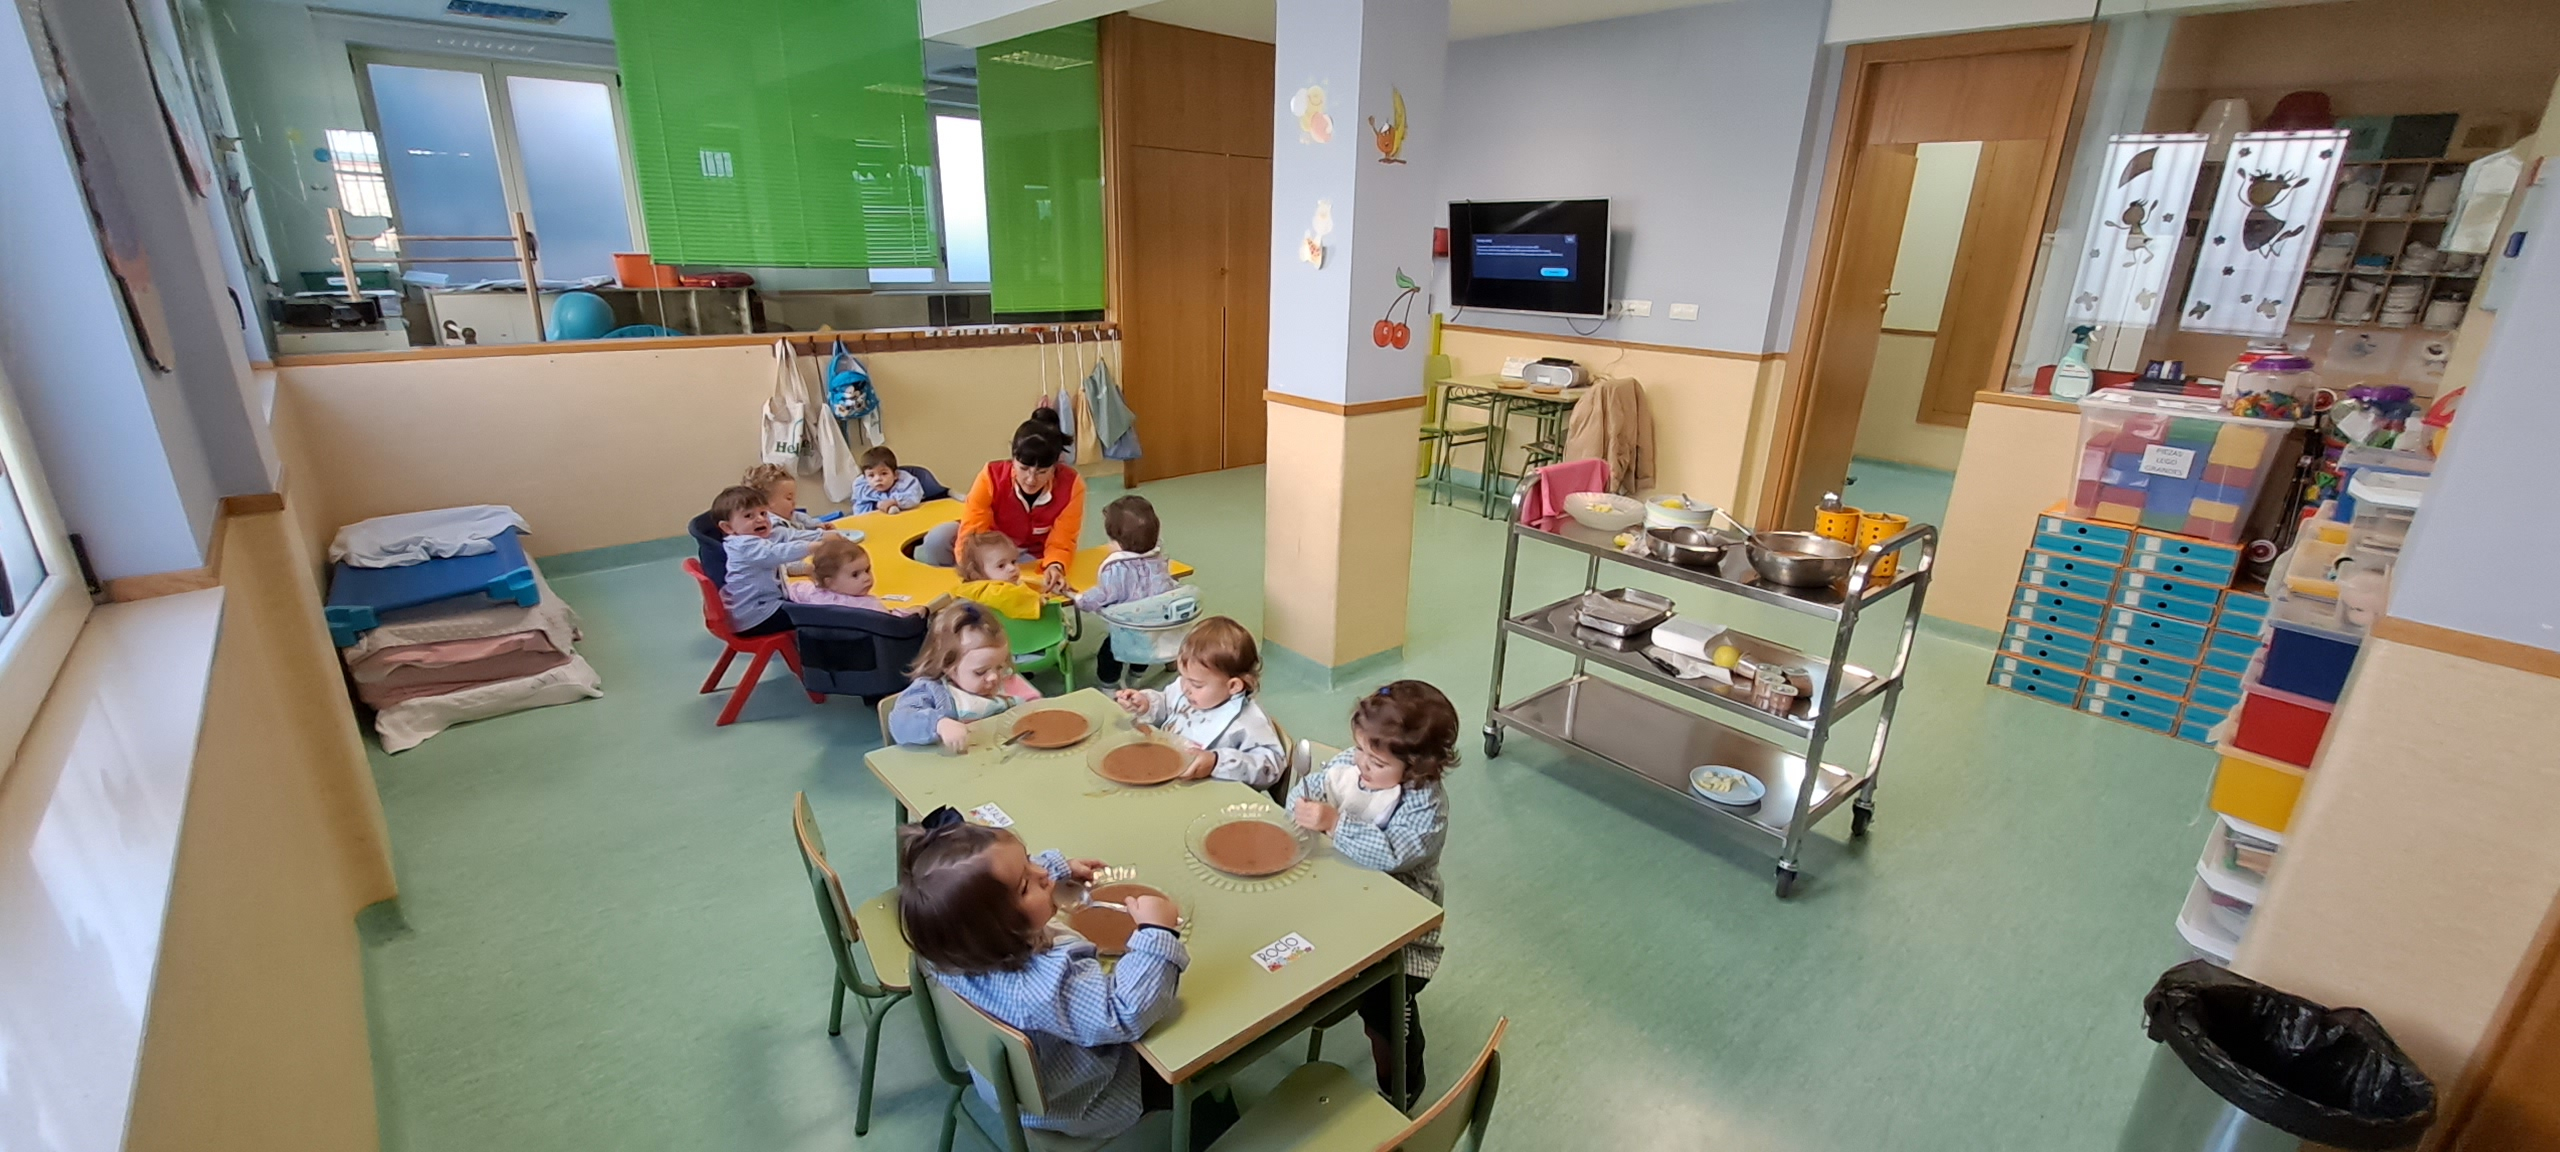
1677	511
1606	511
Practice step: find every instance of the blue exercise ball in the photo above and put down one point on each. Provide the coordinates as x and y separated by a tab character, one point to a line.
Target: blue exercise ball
579	316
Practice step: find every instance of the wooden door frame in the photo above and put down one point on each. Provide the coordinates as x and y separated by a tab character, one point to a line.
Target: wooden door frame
1851	121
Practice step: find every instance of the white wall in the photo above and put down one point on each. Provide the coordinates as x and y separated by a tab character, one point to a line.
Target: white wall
1941	192
1691	122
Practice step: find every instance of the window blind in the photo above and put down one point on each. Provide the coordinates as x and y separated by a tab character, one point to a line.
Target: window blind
1040	113
779	133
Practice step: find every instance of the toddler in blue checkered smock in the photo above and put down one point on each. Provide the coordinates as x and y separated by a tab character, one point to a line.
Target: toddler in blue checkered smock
976	907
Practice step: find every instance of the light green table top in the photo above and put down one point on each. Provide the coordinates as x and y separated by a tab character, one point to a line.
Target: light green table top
1353	916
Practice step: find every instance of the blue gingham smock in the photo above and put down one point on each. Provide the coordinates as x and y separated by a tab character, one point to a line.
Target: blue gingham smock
1407	848
1081	1020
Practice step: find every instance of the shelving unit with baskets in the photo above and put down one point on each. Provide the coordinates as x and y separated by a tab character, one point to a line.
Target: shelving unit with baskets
1660	741
2384	206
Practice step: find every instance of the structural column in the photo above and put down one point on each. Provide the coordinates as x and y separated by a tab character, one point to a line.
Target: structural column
1357	127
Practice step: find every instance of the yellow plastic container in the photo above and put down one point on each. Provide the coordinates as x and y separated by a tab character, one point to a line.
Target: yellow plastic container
2256	789
1876	528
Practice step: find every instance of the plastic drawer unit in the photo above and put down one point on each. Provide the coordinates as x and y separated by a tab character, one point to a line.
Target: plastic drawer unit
2280	725
2307	660
2155	719
2030	679
2255	789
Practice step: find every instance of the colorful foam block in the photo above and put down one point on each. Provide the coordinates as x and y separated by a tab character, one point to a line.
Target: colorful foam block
2240	444
2118	513
2170	499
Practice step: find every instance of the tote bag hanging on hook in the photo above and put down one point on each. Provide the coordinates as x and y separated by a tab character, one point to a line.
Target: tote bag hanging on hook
785	440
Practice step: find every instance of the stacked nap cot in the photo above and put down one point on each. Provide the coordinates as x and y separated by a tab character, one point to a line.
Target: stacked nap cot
449	639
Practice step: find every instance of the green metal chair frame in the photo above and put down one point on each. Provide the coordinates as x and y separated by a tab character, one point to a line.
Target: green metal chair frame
1324	1108
1002	1056
1446	435
883	951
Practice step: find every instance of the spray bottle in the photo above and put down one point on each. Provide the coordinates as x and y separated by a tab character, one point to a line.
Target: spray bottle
2071	378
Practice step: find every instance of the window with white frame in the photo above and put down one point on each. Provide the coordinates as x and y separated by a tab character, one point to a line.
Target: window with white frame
961	202
43	598
465	145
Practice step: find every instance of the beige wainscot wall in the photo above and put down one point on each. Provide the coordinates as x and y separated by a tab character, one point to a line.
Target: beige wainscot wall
1337	533
1713	412
2420	858
2019	454
609	444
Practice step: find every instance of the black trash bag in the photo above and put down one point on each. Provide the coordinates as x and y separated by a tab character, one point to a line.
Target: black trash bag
2329	1075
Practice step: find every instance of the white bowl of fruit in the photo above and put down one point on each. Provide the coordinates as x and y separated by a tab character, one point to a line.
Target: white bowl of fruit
1606	511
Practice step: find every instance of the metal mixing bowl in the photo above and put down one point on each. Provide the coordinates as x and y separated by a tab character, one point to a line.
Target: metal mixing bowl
1801	559
1690	547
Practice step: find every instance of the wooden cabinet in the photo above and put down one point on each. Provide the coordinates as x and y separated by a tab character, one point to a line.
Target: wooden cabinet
1187	179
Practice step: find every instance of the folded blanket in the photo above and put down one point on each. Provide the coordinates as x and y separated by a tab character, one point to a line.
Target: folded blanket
417	537
468	618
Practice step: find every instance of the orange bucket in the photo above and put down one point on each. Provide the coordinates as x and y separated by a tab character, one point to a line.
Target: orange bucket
633	270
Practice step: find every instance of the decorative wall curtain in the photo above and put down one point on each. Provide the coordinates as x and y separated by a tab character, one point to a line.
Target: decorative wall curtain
779	133
1040	113
2134	230
2266	220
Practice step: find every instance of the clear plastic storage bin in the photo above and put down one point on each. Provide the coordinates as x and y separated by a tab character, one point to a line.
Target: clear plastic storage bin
2172	463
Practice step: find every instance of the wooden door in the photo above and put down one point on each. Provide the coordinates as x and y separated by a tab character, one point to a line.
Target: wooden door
1248	306
2018	84
2505	1099
1994	258
1175	312
1855	319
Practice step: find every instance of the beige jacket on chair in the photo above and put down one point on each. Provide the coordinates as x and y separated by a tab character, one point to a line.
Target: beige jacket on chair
1612	423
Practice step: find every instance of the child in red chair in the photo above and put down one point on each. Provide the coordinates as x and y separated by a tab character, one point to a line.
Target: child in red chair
756	554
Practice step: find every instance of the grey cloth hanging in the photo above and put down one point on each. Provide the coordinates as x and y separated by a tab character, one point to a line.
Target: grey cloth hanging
1114	426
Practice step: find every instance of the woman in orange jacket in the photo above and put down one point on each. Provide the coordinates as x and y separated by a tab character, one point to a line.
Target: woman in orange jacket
1031	498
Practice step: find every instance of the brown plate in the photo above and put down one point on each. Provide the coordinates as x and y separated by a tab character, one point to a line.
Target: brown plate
1143	763
1109	928
1051	728
1250	848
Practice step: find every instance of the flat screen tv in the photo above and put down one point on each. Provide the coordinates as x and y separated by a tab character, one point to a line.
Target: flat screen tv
1547	256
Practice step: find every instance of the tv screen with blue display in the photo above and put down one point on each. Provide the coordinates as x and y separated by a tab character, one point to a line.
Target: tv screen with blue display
1530	256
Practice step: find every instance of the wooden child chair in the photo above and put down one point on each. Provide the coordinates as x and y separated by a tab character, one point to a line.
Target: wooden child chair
871	954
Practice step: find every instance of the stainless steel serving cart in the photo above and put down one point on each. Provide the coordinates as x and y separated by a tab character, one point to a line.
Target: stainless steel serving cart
1660	741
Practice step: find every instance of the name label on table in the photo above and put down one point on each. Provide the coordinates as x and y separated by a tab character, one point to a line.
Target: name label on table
991	816
1277	954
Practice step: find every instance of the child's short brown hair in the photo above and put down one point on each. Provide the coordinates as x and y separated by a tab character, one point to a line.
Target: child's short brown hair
735	499
978	549
1223	646
1413	722
878	456
835	554
764	477
957	628
952	908
1131	523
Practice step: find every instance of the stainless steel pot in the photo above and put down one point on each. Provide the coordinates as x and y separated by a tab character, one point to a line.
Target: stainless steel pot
1690	547
1801	559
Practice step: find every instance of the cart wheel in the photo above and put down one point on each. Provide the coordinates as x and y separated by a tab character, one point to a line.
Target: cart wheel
1786	881
1492	742
1859	817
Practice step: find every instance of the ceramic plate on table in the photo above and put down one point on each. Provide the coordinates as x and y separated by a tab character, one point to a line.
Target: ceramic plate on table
1051	728
1142	764
1248	840
1743	793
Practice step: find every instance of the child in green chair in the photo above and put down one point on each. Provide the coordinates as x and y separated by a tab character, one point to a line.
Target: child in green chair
1381	802
977	907
991	574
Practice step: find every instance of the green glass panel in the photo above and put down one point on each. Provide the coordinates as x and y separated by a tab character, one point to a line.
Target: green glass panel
1040	113
779	133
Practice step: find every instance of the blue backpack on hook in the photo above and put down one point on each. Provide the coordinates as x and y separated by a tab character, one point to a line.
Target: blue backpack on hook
849	391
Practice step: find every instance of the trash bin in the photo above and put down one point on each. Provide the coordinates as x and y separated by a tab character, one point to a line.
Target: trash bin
2245	1068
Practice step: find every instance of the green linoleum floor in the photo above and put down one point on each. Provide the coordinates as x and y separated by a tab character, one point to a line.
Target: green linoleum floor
604	940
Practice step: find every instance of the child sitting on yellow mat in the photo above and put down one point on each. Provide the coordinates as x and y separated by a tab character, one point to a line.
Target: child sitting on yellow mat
991	574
